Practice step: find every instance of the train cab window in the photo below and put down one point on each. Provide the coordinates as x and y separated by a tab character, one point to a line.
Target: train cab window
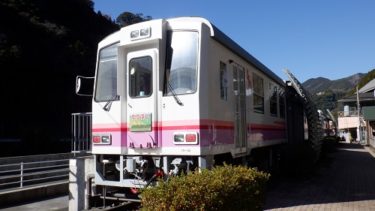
273	100
223	81
181	62
106	81
258	99
140	73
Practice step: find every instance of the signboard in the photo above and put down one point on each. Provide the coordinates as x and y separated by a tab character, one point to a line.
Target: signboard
140	122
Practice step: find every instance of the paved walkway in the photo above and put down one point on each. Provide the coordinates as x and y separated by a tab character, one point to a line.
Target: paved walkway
53	204
344	181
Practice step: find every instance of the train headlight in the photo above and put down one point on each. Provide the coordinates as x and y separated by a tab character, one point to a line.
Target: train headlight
185	138
96	139
191	137
145	32
106	139
140	33
134	34
102	139
179	138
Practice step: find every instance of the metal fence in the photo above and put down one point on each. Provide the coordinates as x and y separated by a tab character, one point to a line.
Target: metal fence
350	113
81	132
22	174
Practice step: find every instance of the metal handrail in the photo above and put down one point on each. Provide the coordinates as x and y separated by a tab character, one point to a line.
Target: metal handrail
352	113
45	172
47	161
9	177
27	175
10	183
46	167
45	178
81	132
13	164
9	171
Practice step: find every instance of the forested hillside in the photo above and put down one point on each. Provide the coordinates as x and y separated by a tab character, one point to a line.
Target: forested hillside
364	80
44	44
325	92
320	84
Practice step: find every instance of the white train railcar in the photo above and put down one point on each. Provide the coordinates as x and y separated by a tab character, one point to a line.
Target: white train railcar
176	94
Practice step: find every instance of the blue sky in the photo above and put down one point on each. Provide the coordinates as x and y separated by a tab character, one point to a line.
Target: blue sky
311	38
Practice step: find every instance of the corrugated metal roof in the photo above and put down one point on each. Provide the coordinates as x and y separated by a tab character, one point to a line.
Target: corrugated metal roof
370	86
369	96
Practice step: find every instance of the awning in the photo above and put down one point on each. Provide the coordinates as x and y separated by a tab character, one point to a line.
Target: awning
368	113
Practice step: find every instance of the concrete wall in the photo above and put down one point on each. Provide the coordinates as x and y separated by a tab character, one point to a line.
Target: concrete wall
347	122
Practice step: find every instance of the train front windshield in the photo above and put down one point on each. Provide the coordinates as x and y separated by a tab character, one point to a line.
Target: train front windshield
181	69
182	57
106	81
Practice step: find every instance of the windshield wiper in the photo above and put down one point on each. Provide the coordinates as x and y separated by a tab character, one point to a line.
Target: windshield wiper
108	105
174	94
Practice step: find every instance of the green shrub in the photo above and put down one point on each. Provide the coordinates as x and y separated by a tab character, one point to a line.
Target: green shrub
222	188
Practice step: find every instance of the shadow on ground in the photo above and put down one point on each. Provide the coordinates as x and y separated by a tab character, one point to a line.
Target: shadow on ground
343	175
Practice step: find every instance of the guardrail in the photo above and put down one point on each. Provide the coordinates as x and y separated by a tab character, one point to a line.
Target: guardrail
23	174
81	132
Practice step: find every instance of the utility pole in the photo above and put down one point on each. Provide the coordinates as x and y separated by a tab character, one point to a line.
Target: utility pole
359	117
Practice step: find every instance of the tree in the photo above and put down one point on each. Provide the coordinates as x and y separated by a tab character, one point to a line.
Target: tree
42	49
364	80
128	18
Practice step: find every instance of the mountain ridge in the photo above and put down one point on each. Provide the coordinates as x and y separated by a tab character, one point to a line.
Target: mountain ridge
325	92
322	84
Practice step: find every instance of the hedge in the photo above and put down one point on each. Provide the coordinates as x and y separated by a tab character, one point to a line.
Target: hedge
222	188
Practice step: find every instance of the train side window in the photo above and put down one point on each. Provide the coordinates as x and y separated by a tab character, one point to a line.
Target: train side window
258	99
223	81
273	101
282	103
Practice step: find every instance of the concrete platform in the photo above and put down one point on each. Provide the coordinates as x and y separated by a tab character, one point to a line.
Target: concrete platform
58	204
16	196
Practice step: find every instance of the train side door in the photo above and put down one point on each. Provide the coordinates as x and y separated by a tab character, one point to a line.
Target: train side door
142	98
240	109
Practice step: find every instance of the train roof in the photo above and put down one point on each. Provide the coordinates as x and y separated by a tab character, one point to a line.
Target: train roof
232	45
222	38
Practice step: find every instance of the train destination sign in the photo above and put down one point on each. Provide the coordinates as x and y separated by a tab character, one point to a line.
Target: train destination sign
140	122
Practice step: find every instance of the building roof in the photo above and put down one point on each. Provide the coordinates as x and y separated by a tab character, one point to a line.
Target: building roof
368	96
370	86
366	93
